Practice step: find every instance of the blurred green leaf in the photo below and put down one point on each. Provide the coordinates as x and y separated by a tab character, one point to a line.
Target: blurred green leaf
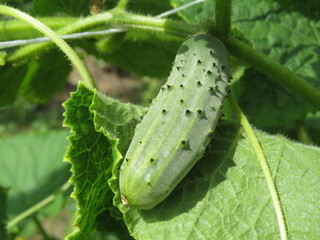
32	167
149	7
3	212
69	7
3	55
10	81
37	80
46	76
151	58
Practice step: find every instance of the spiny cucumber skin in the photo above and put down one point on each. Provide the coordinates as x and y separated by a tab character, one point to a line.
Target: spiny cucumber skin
178	126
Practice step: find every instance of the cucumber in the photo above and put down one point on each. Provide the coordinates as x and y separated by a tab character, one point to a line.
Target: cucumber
179	124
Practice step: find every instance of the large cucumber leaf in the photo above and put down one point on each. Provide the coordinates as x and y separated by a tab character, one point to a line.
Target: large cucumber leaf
225	196
92	151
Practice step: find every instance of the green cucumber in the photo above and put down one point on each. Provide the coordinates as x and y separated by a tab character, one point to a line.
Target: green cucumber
179	124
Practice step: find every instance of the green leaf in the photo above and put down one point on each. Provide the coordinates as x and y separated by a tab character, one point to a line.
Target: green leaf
3	212
287	33
37	80
3	55
32	167
151	58
149	7
95	122
10	81
196	13
46	76
225	196
69	7
282	103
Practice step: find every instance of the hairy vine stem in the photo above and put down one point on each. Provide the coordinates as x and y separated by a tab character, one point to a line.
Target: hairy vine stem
182	30
265	168
9	11
223	18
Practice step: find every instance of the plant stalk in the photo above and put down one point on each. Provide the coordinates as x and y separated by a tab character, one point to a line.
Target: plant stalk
38	206
279	73
264	165
223	18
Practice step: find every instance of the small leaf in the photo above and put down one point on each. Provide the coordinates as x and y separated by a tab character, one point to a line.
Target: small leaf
3	55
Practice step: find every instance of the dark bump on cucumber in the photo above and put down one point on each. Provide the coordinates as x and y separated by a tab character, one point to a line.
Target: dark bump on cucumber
188	111
141	117
151	159
214	64
199	111
199	61
134	126
164	111
210	133
169	86
183	142
162	88
118	167
178	68
183	75
181	101
150	100
211	52
140	142
181	85
223	67
221	106
199	83
127	159
209	72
